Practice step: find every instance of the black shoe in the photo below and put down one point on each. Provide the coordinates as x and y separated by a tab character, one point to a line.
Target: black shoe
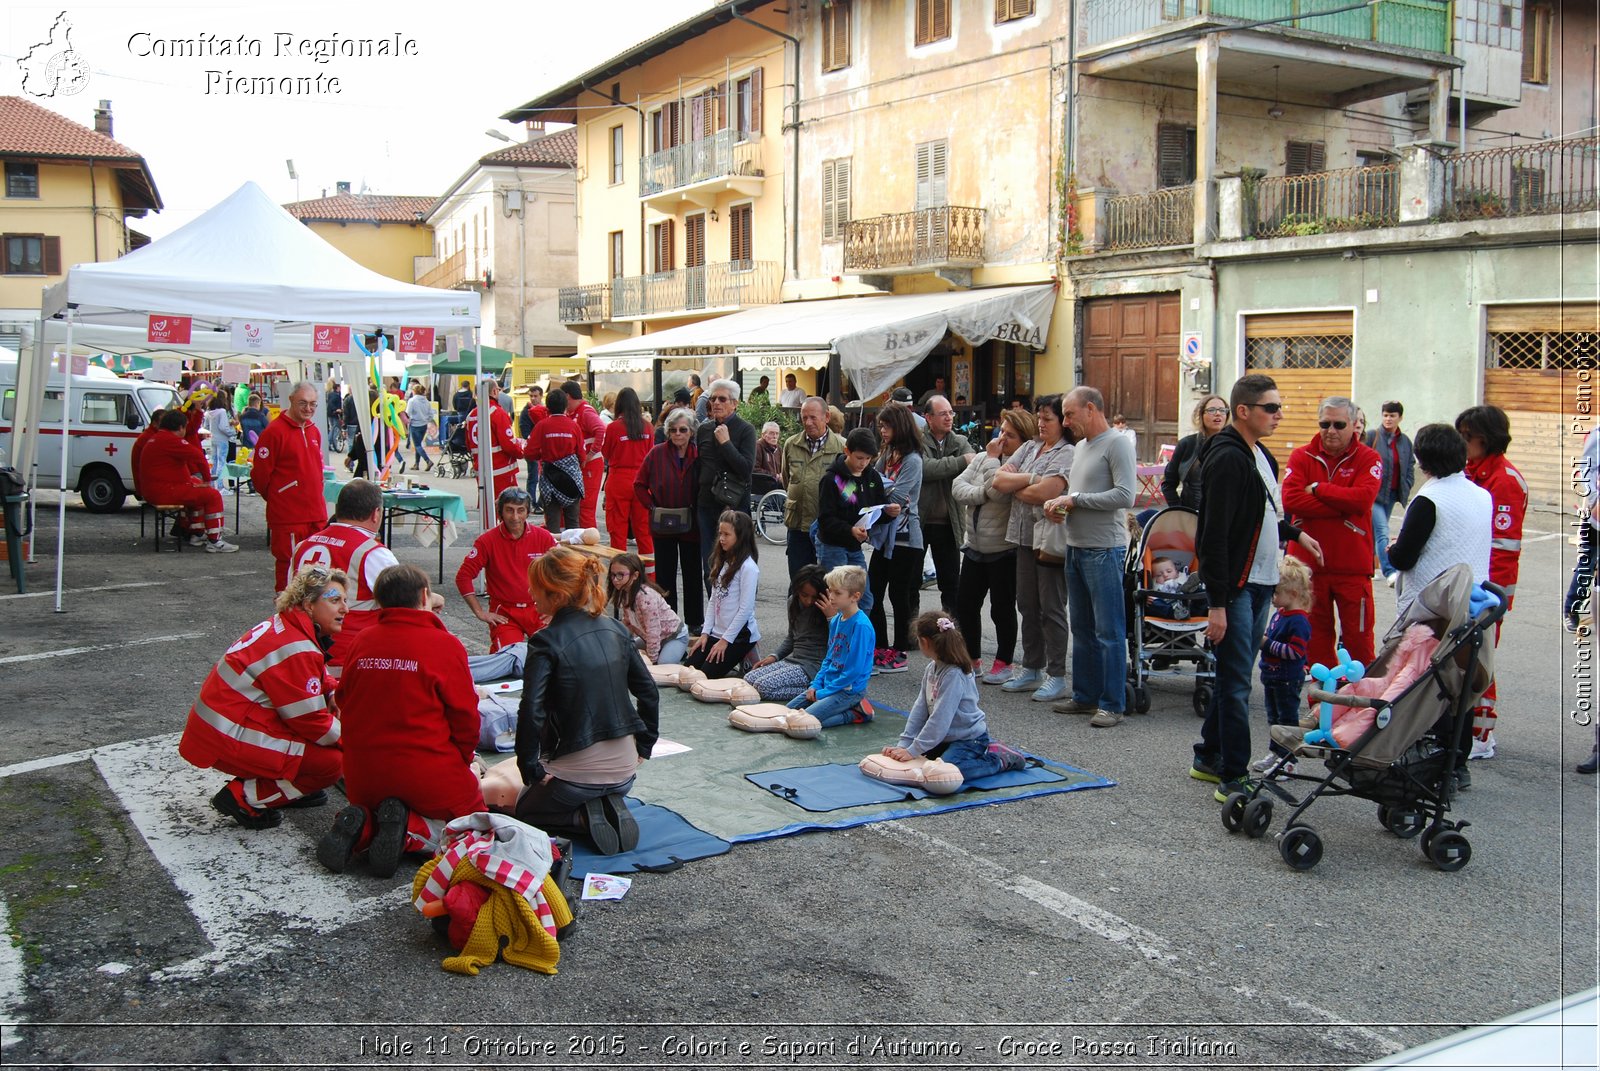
226	802
606	839
622	821
337	844
1464	779
1591	764
319	798
389	842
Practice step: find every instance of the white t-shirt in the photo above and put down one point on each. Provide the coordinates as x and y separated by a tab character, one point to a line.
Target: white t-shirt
1264	566
792	398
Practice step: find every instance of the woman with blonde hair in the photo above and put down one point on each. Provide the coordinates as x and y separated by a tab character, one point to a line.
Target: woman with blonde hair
583	728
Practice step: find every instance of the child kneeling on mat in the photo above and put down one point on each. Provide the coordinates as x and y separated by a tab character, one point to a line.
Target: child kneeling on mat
946	722
837	695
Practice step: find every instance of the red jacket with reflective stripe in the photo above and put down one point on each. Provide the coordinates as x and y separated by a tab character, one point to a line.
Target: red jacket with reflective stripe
358	553
286	470
506	562
166	465
625	455
504	450
263	702
1339	515
1510	494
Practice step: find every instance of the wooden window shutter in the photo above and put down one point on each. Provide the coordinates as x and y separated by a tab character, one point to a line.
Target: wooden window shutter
722	106
841	197
933	21
1299	324
836	35
1572	316
1009	10
941	20
755	100
52	254
932	190
1304	158
664	246
740	240
694	240
828	170
1175	146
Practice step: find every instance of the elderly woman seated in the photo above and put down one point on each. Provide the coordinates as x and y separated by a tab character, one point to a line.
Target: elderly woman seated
583	727
263	714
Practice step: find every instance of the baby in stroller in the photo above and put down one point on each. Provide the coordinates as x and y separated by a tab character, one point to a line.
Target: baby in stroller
1168	577
456	461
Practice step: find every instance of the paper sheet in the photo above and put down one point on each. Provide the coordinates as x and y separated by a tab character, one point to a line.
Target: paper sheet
605	886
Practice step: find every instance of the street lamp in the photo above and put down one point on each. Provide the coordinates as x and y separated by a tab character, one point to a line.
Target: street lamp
497	135
296	176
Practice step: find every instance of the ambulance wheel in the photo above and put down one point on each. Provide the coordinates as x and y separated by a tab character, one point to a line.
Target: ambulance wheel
1300	847
1449	851
102	491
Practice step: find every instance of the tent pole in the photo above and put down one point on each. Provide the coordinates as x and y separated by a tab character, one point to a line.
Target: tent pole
486	398
66	417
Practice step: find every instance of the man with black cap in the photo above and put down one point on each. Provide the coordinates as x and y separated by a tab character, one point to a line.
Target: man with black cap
903	396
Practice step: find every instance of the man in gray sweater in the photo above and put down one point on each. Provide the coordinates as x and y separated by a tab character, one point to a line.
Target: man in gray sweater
1099	491
945	454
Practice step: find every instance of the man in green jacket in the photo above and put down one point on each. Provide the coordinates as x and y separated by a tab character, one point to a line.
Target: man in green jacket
806	458
944	527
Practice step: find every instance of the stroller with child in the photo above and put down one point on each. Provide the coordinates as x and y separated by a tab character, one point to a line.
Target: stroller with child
1167	629
455	462
1398	734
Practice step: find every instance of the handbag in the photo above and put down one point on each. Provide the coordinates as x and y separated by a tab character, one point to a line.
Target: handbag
1050	542
730	491
670	521
562	480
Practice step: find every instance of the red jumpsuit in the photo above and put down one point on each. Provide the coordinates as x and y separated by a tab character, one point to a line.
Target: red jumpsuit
1509	491
150	431
594	465
410	716
504	450
505	560
624	512
1339	518
286	470
263	715
191	435
362	557
167	479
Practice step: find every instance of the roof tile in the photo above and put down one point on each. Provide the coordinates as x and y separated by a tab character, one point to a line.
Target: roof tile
361	208
559	149
27	129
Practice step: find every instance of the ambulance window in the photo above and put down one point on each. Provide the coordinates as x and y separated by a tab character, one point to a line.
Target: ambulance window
157	398
49	413
104	408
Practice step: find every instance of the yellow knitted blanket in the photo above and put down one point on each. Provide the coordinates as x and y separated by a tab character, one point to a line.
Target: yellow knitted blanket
507	917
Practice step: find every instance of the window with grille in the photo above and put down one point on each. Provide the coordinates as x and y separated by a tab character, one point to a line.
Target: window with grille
1175	155
1298	340
1542	351
836	35
1011	10
1537	34
661	247
933	20
30	254
741	237
835	198
22	180
616	154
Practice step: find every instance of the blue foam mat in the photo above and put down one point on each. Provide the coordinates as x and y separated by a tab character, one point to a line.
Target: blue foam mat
835	786
666	842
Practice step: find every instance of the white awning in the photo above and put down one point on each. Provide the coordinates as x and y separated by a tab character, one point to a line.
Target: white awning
783	360
638	362
878	339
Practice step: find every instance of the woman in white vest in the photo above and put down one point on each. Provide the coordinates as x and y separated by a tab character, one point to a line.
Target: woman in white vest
1447	522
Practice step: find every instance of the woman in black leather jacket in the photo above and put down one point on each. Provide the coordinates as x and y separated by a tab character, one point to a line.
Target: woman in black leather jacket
589	708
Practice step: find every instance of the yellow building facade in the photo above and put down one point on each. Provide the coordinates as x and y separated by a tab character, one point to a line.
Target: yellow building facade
378	231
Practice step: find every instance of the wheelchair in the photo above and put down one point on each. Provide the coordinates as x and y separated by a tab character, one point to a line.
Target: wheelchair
767	504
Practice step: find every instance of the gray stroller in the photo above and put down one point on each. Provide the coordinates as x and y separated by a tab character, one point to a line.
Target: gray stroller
1398	746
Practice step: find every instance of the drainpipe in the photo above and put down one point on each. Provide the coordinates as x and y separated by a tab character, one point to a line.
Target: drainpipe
94	212
794	130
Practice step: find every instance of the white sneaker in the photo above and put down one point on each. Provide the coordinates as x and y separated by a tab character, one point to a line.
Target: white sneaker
1022	679
1051	689
1391	579
197	541
220	546
1264	763
1483	749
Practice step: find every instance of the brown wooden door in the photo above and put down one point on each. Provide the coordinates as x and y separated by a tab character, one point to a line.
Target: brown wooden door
1130	354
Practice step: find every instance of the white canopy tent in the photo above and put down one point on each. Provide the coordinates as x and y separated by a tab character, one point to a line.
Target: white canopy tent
878	339
244	259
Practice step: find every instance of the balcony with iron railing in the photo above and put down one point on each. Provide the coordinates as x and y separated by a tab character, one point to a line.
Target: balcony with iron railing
698	172
946	236
1149	220
1523	180
711	288
1325	202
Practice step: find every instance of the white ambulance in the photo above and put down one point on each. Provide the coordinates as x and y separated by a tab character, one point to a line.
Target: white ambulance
107	415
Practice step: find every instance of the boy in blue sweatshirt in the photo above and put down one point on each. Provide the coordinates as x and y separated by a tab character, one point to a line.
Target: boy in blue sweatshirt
837	695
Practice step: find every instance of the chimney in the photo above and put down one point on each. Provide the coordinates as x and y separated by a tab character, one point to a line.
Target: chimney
102	118
341	188
534	127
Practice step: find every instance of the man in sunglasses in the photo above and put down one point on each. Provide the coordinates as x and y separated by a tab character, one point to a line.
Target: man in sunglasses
504	553
1329	487
1241	527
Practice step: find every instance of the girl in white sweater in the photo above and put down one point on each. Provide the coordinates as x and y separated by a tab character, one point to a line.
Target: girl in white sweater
731	630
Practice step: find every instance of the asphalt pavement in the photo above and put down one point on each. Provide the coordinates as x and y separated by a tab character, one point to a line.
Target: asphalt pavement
1118	926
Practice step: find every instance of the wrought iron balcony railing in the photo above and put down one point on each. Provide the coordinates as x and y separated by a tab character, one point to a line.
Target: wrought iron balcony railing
1523	180
722	155
1350	199
1146	220
733	284
584	304
945	236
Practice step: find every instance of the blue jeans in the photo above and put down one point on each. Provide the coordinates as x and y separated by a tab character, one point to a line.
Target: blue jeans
1380	534
800	550
831	557
447	423
419	440
971	757
1224	742
1283	706
830	710
1099	626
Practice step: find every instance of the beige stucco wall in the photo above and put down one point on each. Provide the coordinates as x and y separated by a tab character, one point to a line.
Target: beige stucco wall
726	52
386	248
66	208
